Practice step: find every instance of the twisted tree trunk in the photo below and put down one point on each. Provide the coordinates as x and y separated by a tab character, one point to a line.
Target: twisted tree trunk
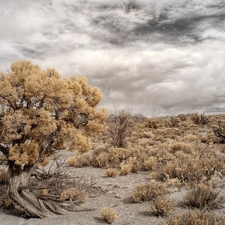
32	205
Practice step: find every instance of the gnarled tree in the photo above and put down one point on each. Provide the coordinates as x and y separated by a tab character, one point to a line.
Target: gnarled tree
41	113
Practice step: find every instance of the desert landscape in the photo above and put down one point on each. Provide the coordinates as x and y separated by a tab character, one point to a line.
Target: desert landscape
112	112
161	170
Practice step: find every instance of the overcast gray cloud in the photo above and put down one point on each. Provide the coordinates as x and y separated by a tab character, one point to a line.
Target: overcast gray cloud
153	57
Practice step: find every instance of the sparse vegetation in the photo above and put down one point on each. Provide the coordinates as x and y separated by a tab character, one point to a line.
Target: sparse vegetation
112	172
120	128
203	196
160	206
147	192
108	214
126	169
194	217
76	195
199	118
172	154
219	131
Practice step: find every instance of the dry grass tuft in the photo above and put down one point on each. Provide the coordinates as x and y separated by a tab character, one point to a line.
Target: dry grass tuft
111	172
196	218
147	192
180	146
126	169
149	163
161	205
74	194
203	196
108	214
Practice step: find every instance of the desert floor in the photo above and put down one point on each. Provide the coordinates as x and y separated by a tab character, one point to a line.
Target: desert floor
106	191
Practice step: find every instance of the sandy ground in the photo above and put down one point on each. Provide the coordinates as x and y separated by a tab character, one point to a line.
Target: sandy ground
113	192
107	191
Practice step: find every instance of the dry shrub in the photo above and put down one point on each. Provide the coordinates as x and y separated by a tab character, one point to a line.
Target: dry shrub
149	163
190	138
4	177
147	191
151	142
126	169
112	172
202	163
120	128
110	157
213	164
174	182
162	153
159	138
180	146
203	196
199	118
185	169
219	131
108	214
194	217
78	160
74	194
152	123
172	122
182	117
161	205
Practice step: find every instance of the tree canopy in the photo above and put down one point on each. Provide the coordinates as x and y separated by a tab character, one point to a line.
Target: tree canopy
41	113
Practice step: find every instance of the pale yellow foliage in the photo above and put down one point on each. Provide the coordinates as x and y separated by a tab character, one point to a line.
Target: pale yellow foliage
74	194
148	191
109	214
126	169
111	172
26	153
41	112
161	205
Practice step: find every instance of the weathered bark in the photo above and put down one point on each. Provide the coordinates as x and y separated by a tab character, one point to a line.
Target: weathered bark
32	205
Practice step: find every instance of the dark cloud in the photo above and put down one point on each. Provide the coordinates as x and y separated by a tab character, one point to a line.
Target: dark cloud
153	57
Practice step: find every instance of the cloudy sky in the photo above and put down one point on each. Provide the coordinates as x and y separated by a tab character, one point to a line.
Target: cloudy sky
154	57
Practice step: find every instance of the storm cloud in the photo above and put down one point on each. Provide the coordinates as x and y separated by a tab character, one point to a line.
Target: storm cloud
154	57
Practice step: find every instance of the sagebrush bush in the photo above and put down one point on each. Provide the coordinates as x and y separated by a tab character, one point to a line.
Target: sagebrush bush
153	123
120	128
147	192
76	195
190	138
126	169
200	118
185	169
112	172
149	163
108	214
180	146
194	217
161	205
203	196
